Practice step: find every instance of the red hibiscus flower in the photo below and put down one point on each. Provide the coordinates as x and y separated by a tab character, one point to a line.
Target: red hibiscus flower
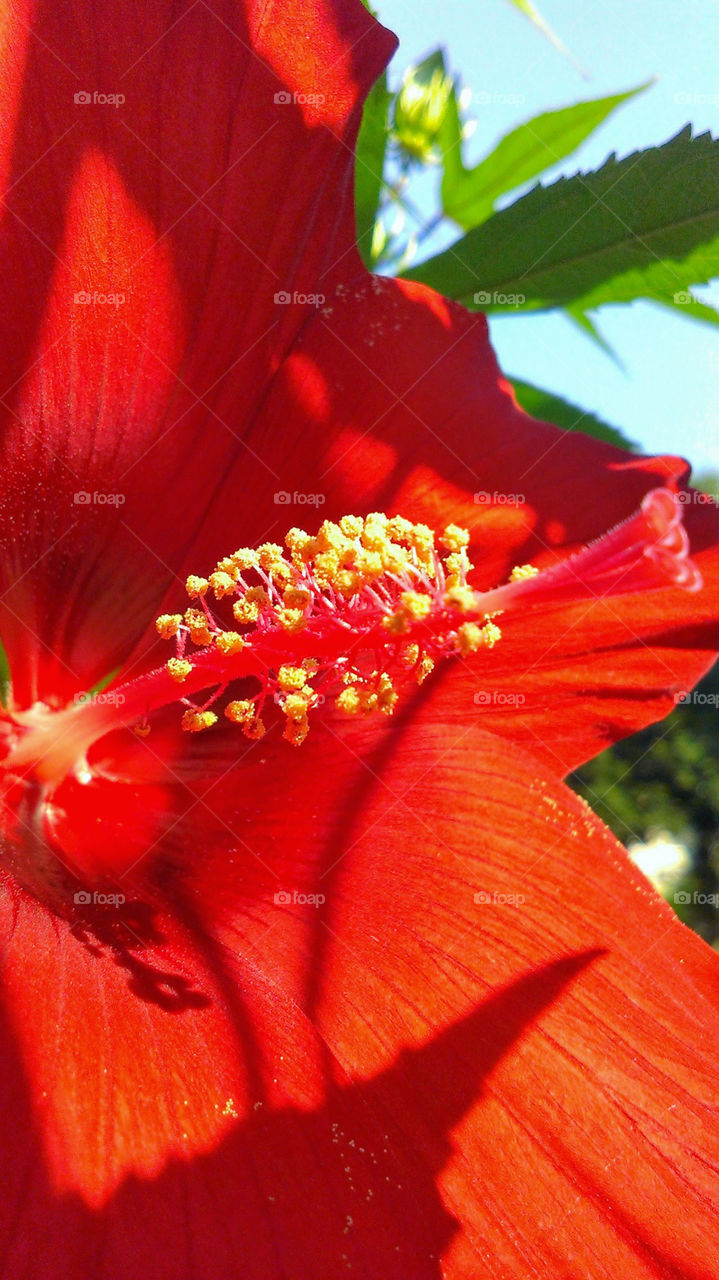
390	1002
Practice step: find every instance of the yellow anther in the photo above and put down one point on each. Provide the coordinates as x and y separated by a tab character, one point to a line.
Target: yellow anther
311	666
196	586
409	655
347	582
386	696
374	534
254	729
291	678
142	730
456	565
245	611
460	597
326	565
421	539
291	619
471	637
349	701
295	597
454	538
257	595
369	563
295	731
352	526
222	583
523	571
270	555
394	559
167	624
295	705
245	558
228	566
491	634
413	607
241	711
229	642
397	623
179	669
247	608
399	528
426	666
331	538
416	604
196	622
196	721
300	544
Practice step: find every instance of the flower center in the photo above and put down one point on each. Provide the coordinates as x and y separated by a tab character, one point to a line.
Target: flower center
352	615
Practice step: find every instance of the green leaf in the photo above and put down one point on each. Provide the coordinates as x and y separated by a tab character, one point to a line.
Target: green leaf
646	226
587	326
691	308
531	11
469	195
551	408
369	165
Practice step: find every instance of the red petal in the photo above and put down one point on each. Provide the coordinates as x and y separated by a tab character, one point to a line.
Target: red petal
390	395
162	202
525	1085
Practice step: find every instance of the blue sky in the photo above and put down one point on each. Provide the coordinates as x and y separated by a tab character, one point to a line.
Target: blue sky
666	397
